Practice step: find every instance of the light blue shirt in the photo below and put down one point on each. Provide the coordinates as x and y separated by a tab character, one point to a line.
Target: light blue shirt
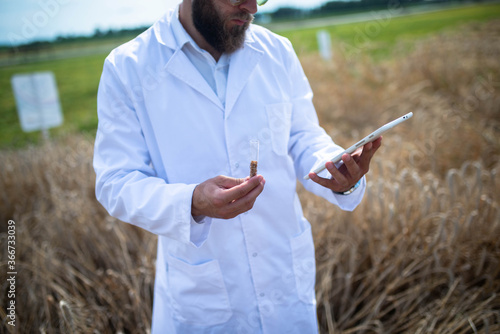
215	73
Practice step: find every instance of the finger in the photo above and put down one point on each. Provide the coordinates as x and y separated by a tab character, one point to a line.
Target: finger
337	175
229	182
352	167
372	147
368	153
376	145
367	147
327	183
242	189
245	203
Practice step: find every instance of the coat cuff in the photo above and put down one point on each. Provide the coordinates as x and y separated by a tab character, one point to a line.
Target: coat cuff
351	201
199	230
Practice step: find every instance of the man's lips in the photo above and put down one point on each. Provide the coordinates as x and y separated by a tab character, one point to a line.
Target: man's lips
239	22
241	19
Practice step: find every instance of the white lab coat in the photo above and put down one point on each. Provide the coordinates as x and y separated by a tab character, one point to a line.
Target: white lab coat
162	130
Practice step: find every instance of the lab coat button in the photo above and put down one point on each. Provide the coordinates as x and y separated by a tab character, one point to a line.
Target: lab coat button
262	294
254	254
236	165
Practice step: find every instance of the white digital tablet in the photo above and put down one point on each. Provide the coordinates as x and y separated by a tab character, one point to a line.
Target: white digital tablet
371	137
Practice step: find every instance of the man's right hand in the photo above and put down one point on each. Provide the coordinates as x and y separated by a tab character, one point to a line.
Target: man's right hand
225	197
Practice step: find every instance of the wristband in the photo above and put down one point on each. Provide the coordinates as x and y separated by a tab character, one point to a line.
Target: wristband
350	191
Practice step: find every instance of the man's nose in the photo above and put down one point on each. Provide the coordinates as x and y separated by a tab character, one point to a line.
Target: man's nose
249	6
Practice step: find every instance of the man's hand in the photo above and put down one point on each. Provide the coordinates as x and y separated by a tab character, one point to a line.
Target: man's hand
225	197
351	171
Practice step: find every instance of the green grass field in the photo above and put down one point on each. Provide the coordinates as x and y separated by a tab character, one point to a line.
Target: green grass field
380	36
78	78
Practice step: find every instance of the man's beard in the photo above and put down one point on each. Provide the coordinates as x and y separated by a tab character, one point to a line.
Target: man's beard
213	27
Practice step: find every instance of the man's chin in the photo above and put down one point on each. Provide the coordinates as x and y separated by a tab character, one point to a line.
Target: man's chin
234	45
236	37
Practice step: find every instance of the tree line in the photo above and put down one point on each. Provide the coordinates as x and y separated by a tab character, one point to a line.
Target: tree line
281	14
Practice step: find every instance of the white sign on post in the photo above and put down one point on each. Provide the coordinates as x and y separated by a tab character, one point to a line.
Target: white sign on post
325	44
37	101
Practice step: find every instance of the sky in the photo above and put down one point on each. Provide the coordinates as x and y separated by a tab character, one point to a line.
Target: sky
24	21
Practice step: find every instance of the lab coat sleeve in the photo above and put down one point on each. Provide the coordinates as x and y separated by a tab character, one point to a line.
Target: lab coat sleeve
127	184
309	145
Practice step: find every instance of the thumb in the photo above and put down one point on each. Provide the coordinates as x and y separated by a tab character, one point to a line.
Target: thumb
229	182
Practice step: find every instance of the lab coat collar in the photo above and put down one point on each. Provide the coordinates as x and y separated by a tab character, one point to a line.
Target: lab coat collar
242	63
181	67
162	35
241	66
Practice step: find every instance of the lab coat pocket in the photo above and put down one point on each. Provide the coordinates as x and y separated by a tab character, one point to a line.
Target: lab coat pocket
198	291
279	117
304	265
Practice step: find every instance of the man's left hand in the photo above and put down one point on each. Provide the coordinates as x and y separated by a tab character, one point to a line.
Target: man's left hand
355	166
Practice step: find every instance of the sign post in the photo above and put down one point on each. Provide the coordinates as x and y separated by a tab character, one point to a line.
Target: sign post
37	101
325	44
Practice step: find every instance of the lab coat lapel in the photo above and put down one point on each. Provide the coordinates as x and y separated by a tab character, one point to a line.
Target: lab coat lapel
242	64
180	67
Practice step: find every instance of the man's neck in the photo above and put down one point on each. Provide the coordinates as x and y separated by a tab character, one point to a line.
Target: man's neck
186	19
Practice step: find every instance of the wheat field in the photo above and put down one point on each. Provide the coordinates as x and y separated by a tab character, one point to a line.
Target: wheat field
421	254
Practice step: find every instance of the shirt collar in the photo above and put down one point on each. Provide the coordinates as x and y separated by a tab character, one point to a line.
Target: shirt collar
180	34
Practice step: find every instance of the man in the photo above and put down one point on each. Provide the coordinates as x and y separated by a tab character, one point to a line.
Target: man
177	108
